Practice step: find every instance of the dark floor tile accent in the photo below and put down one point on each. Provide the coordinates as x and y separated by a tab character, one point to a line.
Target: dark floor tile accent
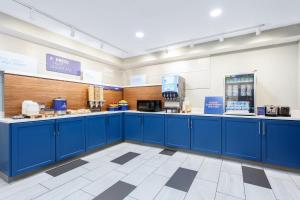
182	179
66	167
255	177
125	158
116	192
168	152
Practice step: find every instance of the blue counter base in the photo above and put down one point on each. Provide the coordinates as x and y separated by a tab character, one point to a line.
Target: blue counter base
29	146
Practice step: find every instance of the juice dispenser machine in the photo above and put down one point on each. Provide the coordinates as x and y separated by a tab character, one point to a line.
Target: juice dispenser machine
240	94
173	91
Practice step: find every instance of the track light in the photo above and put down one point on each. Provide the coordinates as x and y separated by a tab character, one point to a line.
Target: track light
72	33
258	31
31	14
221	39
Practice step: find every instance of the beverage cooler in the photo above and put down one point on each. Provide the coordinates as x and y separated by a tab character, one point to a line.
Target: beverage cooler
240	94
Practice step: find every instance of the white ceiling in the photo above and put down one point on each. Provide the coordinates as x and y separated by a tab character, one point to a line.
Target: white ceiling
162	21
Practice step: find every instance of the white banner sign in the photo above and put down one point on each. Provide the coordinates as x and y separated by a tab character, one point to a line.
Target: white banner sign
17	62
92	76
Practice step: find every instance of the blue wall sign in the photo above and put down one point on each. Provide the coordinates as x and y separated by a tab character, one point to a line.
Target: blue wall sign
62	65
214	105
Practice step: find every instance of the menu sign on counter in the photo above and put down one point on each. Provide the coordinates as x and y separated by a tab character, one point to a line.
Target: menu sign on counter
62	65
214	105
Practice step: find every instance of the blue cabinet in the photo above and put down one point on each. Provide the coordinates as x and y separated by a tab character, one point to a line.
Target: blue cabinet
177	131
133	126
241	138
95	131
33	145
114	128
206	134
154	128
281	142
70	137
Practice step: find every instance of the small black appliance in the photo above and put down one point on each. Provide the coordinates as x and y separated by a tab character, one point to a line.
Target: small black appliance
284	111
149	105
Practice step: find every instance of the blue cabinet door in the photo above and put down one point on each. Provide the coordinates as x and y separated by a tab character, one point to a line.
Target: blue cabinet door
281	142
70	137
241	138
206	134
95	131
114	128
32	145
133	126
177	131
154	128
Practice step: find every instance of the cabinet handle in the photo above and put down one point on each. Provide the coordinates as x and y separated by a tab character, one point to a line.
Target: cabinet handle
263	128
191	124
259	128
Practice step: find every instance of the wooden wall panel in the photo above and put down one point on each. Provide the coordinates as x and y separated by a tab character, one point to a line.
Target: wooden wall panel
112	96
133	94
19	88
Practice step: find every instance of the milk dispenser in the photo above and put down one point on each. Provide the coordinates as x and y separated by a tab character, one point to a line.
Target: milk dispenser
173	91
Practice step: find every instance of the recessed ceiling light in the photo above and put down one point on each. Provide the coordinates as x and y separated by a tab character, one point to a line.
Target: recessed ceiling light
139	34
216	12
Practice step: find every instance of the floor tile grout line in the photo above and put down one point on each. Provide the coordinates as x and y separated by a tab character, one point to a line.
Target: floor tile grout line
294	181
80	176
218	180
231	195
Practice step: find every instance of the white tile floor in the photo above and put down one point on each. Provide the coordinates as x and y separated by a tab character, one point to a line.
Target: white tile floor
216	179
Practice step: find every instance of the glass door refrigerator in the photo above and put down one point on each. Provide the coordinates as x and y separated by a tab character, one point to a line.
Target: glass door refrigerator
240	94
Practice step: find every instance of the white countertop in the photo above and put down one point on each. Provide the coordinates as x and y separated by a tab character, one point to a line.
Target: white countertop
9	120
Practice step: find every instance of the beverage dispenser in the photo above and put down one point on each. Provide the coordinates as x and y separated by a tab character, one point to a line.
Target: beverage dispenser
173	91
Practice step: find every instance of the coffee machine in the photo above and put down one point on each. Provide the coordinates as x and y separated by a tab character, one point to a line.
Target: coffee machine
173	91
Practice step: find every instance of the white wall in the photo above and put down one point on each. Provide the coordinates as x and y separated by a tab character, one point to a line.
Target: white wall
111	75
277	69
298	75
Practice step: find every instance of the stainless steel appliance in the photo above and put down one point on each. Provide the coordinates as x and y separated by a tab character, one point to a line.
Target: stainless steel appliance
240	94
149	105
173	91
272	111
284	111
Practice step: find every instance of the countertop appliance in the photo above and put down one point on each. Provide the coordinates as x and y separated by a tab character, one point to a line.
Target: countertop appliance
272	111
95	98
173	91
149	105
60	106
284	111
240	94
30	108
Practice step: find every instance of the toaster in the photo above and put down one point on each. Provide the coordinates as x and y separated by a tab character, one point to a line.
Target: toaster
284	111
272	111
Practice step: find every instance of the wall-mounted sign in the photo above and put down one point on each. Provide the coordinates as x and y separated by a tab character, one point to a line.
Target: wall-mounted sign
214	105
62	65
138	79
17	62
92	76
